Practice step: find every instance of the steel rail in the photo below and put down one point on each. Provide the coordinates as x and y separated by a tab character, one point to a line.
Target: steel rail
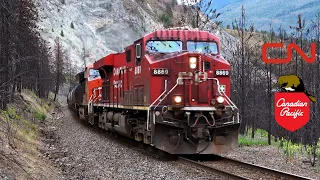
266	169
211	169
228	174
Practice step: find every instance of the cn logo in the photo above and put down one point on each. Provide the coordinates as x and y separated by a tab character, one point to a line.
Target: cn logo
289	52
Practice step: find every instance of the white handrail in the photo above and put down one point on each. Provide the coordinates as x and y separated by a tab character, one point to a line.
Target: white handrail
232	105
148	113
165	95
93	97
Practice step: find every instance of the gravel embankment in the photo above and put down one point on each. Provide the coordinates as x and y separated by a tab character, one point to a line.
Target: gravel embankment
84	152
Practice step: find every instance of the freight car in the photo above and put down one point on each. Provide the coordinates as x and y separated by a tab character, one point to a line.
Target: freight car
169	89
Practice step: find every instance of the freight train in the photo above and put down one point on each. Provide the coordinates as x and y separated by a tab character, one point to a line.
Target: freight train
170	89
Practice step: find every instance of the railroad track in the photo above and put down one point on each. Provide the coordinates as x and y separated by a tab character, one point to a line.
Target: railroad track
227	167
234	169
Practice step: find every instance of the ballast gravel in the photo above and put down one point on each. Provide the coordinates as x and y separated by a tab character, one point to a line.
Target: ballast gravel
84	152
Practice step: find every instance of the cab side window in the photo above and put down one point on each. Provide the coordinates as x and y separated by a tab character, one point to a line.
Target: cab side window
93	74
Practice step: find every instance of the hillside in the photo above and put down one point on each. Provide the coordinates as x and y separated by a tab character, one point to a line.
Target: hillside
263	12
22	139
97	28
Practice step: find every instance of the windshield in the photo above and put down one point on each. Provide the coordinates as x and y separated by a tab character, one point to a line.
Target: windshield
93	74
164	46
202	47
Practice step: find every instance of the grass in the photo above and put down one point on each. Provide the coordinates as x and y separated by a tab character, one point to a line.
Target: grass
261	138
19	115
10	113
29	125
248	141
296	150
39	108
28	135
289	149
19	130
51	96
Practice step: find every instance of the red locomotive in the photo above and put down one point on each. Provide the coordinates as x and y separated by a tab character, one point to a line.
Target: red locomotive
169	89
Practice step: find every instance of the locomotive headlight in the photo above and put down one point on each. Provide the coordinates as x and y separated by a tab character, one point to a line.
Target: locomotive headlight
220	99
193	62
177	99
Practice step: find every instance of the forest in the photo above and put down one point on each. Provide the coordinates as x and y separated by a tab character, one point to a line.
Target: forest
254	82
26	60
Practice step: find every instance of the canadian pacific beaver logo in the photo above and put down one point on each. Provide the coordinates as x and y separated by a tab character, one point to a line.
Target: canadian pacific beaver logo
292	107
293	83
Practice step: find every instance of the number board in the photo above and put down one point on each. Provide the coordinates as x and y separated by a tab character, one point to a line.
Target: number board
160	72
222	73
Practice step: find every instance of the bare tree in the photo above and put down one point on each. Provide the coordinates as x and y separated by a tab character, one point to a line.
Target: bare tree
242	55
24	56
84	55
299	30
202	13
59	66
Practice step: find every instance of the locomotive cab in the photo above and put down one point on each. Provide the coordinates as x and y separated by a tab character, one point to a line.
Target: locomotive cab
191	82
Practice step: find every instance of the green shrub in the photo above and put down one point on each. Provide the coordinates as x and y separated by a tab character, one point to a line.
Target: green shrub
166	20
290	149
40	116
247	141
5	114
11	113
262	133
310	149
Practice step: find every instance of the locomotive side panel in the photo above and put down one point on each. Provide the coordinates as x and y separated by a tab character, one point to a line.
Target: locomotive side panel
77	94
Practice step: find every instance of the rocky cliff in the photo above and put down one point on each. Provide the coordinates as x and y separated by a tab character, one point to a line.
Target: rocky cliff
95	28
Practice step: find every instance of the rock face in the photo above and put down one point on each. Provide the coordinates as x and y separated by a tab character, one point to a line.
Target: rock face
94	27
228	44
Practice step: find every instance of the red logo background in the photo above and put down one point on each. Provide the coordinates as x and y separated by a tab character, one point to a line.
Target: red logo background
291	110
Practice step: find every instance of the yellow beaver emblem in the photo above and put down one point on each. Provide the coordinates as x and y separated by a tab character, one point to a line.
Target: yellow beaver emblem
293	83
